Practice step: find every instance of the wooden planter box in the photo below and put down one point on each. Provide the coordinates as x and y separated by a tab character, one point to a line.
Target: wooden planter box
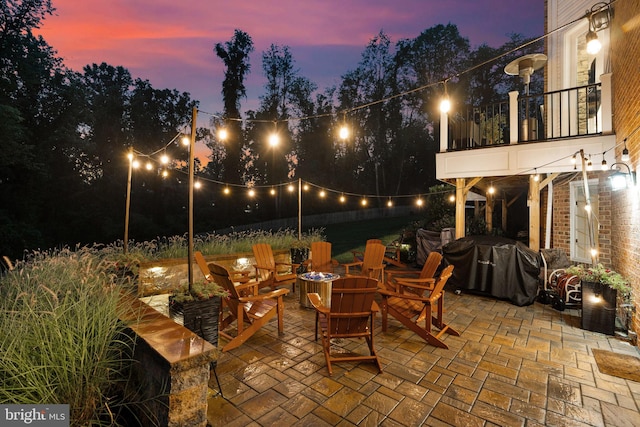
598	316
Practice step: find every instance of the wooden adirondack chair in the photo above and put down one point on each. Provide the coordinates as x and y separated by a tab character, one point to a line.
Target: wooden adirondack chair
411	309
350	316
372	264
268	271
250	312
321	260
236	276
413	281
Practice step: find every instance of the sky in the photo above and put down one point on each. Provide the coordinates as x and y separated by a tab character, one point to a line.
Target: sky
170	43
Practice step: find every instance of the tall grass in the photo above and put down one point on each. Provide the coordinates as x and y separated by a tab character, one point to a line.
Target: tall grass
60	337
214	244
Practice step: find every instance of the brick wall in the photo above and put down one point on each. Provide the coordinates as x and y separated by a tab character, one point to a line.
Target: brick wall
625	213
561	224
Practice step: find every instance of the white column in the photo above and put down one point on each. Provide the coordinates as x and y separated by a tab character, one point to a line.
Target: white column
444	132
513	117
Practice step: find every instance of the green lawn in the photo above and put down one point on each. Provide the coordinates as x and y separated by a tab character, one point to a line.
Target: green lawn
349	236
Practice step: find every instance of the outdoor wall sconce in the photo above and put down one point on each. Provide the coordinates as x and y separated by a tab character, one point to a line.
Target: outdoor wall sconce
621	180
599	17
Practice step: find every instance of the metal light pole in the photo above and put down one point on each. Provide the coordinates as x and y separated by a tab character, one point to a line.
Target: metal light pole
192	143
128	203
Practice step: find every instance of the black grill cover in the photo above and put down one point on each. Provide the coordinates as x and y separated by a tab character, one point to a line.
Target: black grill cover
496	266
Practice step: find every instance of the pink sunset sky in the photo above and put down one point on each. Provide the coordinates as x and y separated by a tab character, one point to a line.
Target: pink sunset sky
170	43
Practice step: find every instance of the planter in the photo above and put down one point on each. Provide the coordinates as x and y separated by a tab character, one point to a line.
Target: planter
598	307
200	317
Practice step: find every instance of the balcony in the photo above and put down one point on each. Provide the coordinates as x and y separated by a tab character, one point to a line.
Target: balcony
527	132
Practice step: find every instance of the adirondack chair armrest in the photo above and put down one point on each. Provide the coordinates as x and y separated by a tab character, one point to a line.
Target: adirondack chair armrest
393	274
316	301
351	264
425	284
261	297
413	297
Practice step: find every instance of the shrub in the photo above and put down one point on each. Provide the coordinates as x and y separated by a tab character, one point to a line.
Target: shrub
60	337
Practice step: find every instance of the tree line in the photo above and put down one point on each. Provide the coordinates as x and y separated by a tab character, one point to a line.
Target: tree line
63	166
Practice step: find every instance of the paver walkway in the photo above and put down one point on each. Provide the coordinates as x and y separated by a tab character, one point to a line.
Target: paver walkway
511	366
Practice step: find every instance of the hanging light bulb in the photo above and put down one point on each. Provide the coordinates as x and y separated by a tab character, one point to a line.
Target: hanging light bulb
419	201
625	152
274	139
149	166
445	103
291	188
305	187
491	189
223	134
322	194
536	176
603	166
272	191
165	173
197	185
186	141
252	192
164	159
363	202
452	198
589	164
226	190
389	202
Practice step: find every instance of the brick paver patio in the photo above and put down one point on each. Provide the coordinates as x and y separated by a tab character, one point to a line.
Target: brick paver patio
511	366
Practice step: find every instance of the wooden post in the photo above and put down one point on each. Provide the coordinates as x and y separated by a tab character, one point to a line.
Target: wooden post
192	149
534	214
488	212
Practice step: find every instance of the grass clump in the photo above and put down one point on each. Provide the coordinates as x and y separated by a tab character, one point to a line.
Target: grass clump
60	337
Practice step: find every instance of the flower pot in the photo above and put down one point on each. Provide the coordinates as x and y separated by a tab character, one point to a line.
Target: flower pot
598	307
200	317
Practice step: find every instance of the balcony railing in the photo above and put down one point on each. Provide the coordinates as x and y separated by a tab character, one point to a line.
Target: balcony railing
574	112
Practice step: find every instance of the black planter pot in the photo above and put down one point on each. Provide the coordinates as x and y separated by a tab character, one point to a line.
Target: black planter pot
200	317
598	307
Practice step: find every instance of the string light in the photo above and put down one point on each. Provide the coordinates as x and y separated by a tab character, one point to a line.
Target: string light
363	202
322	194
252	193
452	198
389	202
491	189
164	159
445	103
226	190
197	184
343	199
272	191
625	152
604	163
589	164
291	188
419	201
165	173
186	141
536	176
305	187
223	134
